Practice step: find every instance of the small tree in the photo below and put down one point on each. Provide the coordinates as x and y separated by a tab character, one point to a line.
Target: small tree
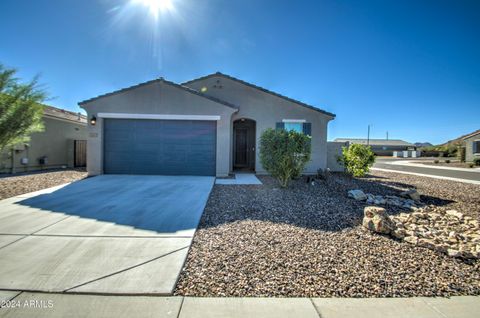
357	159
284	154
20	109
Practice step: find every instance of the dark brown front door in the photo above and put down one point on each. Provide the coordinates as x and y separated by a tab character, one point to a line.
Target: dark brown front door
244	145
241	151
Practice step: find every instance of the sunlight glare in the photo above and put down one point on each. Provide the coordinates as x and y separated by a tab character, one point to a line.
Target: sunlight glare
156	6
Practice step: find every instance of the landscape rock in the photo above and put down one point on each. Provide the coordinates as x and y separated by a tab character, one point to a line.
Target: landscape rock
405	203
357	195
376	219
412	194
442	231
455	213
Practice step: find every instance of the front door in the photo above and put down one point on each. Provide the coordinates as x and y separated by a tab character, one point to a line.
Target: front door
244	145
241	151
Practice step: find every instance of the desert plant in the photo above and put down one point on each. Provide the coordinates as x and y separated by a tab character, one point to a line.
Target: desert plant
476	161
471	165
20	109
447	161
436	161
357	159
284	154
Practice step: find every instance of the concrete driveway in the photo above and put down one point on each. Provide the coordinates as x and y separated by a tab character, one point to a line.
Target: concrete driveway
113	234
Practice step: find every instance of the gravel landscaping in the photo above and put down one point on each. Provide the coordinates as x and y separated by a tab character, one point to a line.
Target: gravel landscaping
12	185
308	241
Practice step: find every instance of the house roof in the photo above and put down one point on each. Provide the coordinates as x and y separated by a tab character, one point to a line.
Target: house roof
160	80
375	142
54	112
477	132
261	89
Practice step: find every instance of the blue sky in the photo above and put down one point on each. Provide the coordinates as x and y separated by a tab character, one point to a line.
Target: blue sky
409	67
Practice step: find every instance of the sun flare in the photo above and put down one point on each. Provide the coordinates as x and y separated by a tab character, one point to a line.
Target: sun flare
156	6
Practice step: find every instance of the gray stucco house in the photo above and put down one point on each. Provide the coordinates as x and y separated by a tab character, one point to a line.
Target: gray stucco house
207	126
472	146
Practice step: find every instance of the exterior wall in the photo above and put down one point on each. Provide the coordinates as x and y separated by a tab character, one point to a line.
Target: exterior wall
469	155
267	110
334	150
53	143
157	98
380	151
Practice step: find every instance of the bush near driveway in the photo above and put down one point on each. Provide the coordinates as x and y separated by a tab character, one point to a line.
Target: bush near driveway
284	154
357	159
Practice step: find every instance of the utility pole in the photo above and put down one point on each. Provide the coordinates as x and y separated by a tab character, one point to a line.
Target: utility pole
368	135
387	135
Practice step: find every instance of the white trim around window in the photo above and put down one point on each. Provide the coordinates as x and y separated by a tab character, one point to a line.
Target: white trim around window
294	121
158	116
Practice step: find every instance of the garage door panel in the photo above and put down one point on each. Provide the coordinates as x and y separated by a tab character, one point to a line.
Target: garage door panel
169	147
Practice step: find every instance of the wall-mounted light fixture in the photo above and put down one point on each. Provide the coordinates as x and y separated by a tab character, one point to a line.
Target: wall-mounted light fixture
93	120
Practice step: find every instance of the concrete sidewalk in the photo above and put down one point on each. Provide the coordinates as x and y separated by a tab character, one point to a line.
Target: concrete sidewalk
63	305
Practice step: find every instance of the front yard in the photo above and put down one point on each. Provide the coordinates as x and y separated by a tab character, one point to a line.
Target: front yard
307	241
20	183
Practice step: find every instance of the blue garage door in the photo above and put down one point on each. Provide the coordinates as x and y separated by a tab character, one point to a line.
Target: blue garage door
168	147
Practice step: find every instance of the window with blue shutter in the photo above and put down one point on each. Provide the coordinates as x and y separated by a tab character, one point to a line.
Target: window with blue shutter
305	128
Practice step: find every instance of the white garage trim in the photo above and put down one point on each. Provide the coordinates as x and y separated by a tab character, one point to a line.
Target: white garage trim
157	116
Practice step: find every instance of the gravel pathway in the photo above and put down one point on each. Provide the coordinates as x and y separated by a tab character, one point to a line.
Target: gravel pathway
12	185
306	241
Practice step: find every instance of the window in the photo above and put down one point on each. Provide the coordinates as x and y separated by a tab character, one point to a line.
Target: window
476	146
298	127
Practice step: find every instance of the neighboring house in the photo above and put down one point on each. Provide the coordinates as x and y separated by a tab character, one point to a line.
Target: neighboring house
208	126
62	143
381	147
472	146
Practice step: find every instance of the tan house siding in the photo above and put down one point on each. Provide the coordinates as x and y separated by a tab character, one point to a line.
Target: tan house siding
469	154
267	109
55	142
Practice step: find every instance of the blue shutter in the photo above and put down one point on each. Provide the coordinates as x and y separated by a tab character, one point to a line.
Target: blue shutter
307	129
280	126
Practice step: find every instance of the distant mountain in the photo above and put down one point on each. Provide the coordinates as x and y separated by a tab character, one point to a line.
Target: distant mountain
423	144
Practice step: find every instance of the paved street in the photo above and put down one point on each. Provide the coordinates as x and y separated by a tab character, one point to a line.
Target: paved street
404	165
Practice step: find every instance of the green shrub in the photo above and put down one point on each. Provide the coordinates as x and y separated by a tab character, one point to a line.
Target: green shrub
471	165
436	161
357	159
447	161
284	154
476	161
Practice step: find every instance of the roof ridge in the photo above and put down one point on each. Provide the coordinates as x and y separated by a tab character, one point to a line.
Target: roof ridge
160	79
261	89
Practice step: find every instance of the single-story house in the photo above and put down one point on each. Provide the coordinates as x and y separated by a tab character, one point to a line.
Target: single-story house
381	147
61	144
472	146
207	126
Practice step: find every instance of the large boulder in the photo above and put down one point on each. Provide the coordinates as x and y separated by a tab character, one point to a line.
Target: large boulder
376	219
357	195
